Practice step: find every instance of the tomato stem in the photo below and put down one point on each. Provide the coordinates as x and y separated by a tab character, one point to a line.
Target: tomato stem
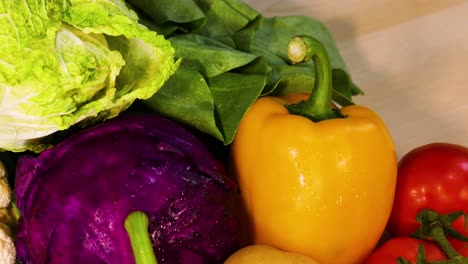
436	227
318	106
438	234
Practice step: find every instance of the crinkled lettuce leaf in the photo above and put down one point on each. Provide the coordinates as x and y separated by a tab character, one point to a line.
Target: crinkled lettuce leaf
73	62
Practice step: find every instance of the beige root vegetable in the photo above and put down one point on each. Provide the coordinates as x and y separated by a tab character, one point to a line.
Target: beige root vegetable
7	220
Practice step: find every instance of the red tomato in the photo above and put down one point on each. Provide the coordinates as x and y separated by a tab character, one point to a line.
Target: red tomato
407	248
433	176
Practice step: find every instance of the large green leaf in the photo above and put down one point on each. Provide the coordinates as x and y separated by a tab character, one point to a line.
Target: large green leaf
240	55
187	98
211	56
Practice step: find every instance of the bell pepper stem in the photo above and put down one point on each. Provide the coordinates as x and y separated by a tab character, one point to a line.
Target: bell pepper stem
136	225
318	106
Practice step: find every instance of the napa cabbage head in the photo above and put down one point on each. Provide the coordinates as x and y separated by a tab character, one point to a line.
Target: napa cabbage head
73	62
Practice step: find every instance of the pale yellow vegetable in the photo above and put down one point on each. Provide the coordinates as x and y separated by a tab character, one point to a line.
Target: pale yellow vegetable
7	246
262	254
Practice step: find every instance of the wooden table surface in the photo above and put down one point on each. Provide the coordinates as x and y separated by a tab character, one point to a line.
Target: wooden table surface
410	58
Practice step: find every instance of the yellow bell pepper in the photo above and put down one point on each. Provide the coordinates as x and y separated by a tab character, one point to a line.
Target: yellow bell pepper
315	180
262	254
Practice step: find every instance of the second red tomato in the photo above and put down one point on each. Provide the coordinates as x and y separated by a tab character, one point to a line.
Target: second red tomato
433	176
407	248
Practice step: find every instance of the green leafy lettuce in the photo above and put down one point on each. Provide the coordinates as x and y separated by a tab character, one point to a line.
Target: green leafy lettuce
73	62
231	55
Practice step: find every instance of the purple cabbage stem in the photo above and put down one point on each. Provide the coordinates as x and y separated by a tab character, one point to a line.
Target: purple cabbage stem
136	225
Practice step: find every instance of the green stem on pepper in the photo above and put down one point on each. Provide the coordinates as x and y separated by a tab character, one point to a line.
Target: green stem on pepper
318	106
136	225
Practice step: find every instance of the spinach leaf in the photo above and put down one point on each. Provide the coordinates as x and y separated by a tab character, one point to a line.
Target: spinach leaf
224	18
168	13
231	54
186	97
211	56
234	92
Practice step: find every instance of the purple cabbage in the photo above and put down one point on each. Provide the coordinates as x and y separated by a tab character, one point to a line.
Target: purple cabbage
74	197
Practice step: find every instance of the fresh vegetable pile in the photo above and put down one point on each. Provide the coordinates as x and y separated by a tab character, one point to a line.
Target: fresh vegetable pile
204	132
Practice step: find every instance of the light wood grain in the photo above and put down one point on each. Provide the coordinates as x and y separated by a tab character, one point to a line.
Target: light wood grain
410	58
